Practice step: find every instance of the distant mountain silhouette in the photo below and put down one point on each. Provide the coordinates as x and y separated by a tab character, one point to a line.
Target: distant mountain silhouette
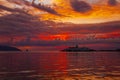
77	49
8	48
117	49
85	49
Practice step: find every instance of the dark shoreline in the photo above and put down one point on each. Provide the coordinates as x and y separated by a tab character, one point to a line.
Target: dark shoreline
95	51
8	48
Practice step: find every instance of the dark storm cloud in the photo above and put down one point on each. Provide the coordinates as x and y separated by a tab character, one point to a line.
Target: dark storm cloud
44	8
112	2
80	6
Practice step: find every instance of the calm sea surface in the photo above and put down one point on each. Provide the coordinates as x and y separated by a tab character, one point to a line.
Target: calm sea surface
59	66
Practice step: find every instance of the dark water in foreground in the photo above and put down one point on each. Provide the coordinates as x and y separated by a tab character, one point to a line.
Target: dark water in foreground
59	66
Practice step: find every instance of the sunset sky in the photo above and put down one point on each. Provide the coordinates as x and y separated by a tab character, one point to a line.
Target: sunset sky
57	24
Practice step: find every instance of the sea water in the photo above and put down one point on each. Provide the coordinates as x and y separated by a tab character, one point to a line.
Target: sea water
52	65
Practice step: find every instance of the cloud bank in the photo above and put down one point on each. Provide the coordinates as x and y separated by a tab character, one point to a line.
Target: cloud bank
44	8
20	28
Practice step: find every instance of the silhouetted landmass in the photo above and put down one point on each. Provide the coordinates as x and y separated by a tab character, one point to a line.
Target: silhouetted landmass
117	49
107	50
77	49
8	48
85	49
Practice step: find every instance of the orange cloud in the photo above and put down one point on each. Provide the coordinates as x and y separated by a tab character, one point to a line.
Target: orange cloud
99	13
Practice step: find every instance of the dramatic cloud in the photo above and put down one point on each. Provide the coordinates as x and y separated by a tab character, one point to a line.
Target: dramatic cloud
80	6
21	24
92	28
19	2
44	8
10	9
21	27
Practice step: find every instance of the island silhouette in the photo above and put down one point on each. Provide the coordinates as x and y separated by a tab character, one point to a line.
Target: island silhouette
8	48
77	49
84	49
